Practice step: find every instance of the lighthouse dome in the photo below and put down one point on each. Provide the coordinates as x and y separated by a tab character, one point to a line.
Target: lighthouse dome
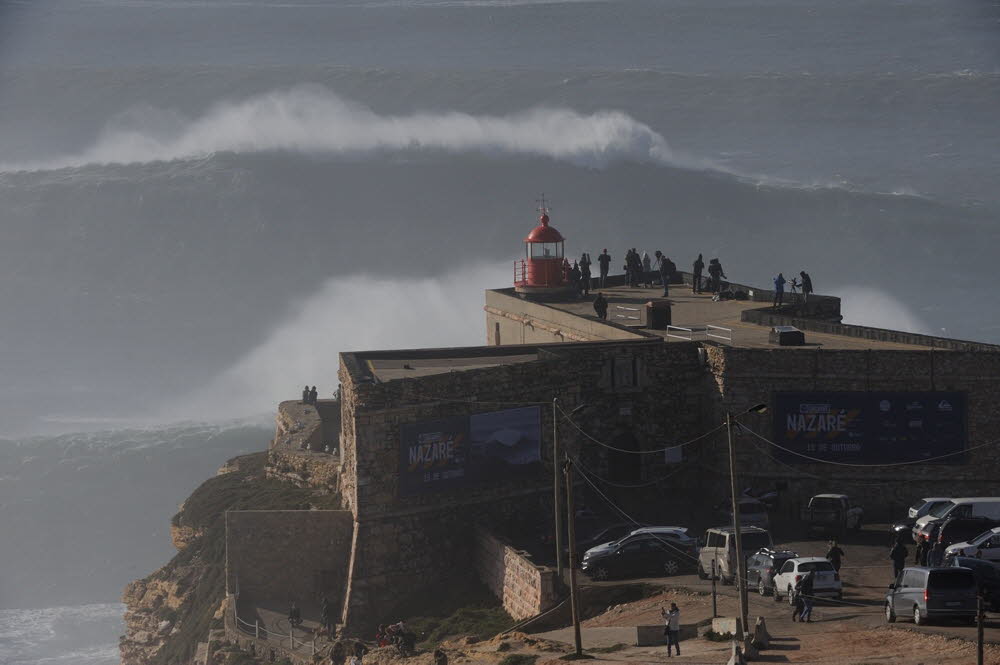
543	232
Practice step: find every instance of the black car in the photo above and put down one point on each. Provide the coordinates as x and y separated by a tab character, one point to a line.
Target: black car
762	567
962	529
987	575
640	555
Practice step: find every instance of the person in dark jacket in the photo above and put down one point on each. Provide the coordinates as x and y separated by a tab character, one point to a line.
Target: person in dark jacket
305	395
585	277
834	555
717	274
604	263
807	285
313	395
805	592
574	278
601	306
666	272
920	553
440	657
898	555
779	290
699	266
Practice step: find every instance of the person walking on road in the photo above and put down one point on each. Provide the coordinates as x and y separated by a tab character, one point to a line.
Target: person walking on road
672	627
805	592
898	555
834	555
604	262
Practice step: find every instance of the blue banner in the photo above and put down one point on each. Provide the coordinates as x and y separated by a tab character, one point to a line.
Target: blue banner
870	427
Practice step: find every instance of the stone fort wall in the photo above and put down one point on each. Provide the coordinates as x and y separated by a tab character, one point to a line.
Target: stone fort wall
747	376
285	555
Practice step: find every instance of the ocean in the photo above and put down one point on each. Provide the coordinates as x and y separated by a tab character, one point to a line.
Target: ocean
203	201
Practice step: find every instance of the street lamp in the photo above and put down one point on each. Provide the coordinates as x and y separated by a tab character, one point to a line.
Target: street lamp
555	481
742	630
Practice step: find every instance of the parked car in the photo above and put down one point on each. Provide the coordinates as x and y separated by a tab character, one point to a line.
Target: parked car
763	566
904	528
832	512
720	546
928	531
987	576
601	535
924	506
932	593
752	513
826	580
961	529
650	552
975	506
985	546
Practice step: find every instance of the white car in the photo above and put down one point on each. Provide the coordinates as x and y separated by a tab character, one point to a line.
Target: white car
925	505
986	545
826	580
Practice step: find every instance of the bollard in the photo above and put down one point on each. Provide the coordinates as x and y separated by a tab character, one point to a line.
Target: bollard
256	628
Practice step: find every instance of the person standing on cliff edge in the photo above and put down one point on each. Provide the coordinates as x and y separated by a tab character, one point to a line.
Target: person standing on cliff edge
699	266
779	290
305	395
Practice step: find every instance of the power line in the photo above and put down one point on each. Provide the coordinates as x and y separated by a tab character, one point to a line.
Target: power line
865	466
629	486
630	518
638	452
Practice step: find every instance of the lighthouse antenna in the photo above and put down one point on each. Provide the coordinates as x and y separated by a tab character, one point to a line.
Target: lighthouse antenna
543	206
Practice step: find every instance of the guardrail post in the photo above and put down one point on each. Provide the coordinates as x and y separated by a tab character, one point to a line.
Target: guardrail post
256	628
291	637
314	645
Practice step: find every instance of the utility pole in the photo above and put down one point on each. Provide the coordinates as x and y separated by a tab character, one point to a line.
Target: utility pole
980	620
555	489
740	574
715	607
573	596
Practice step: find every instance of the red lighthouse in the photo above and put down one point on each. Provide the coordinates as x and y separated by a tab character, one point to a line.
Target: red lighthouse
542	271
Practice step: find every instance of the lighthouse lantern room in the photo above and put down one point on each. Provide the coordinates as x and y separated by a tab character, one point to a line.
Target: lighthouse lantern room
542	272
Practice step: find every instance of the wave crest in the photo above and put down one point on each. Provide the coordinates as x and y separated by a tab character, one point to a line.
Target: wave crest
313	119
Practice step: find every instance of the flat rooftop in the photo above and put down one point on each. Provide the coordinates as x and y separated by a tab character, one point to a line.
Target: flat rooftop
388	369
697	312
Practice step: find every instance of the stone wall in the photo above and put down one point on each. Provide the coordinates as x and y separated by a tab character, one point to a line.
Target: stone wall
524	588
747	376
513	320
647	390
288	554
306	445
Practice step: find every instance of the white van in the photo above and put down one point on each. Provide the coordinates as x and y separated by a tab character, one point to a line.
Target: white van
985	546
720	547
972	506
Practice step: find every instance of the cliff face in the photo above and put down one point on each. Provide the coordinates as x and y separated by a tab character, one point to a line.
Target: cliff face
169	612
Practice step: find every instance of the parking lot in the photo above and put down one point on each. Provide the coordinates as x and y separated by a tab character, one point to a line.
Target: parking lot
866	574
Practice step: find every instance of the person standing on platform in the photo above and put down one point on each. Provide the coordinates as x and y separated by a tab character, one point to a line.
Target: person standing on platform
666	271
807	285
647	270
305	395
779	290
313	396
604	262
699	266
585	276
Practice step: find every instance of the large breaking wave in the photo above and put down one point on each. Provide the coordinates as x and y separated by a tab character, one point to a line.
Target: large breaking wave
313	119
